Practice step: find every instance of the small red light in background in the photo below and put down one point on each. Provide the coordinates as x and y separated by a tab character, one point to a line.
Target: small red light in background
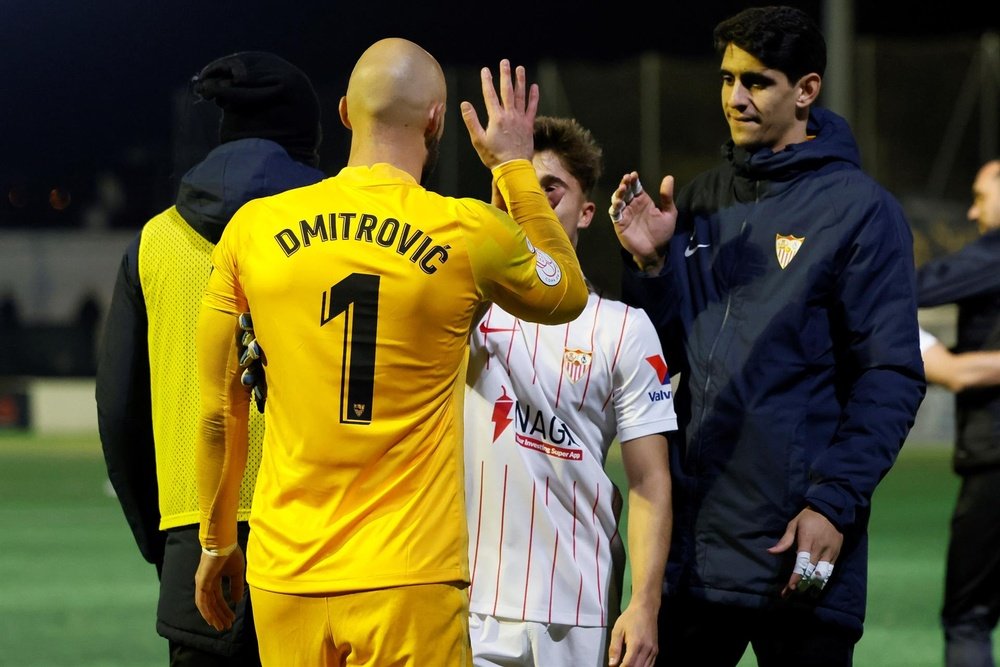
59	198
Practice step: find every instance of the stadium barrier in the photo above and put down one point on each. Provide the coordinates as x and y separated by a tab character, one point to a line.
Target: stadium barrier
67	405
48	406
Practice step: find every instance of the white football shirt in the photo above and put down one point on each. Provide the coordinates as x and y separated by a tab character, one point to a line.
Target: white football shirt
927	340
543	406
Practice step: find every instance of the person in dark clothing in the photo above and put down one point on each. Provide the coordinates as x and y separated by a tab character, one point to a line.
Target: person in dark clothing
970	278
782	284
147	384
10	312
88	323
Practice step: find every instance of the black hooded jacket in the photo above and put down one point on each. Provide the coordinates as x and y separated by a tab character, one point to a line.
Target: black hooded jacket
209	194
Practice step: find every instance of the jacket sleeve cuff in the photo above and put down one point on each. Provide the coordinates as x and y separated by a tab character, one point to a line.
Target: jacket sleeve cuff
829	503
632	267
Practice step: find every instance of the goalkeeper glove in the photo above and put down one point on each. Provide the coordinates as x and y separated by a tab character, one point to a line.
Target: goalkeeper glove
252	360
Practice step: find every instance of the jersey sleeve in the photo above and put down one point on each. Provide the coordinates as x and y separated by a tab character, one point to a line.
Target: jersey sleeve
222	434
927	340
643	397
524	262
224	292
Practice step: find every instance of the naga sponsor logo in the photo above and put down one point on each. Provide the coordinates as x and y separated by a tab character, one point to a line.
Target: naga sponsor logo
501	413
545	448
534	429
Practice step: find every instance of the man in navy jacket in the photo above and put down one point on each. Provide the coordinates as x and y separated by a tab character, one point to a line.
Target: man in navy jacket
970	278
782	284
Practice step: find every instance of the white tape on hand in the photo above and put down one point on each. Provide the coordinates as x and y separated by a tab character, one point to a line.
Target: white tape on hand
824	570
632	192
636	188
802	565
616	211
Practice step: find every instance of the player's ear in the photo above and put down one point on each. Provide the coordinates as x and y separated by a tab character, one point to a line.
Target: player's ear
586	215
342	108
807	90
435	121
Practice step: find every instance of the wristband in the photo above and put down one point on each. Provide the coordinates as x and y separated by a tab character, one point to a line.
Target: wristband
220	553
645	267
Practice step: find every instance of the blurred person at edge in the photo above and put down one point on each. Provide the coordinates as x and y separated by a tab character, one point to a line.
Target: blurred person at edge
970	278
147	381
958	371
782	285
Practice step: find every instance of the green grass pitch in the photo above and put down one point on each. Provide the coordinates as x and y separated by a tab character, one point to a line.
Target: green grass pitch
74	591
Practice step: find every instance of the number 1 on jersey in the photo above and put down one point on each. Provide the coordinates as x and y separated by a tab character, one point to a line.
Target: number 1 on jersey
356	297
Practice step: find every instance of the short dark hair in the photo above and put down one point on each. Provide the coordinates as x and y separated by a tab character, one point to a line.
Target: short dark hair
575	146
783	38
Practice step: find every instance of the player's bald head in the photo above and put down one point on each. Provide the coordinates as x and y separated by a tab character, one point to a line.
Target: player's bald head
395	83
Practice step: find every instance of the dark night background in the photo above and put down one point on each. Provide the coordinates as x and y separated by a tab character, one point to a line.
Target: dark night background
97	126
88	86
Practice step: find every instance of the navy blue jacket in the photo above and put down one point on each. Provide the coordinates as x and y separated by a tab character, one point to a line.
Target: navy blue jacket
209	194
788	306
970	278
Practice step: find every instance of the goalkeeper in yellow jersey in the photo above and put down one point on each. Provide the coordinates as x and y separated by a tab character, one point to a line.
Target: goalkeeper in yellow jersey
363	289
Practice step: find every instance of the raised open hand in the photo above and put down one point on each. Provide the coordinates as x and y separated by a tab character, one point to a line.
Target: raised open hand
509	132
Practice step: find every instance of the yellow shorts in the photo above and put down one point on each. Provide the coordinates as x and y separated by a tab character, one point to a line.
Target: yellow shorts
421	626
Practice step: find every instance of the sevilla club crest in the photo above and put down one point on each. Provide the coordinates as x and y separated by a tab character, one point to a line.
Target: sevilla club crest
786	247
576	363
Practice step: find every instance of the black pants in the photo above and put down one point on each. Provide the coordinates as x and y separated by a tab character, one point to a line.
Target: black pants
972	580
694	633
182	655
193	642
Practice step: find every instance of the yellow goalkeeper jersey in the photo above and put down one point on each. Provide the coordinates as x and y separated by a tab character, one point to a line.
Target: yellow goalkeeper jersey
363	288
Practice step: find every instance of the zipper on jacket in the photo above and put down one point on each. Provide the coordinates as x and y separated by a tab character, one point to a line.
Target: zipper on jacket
718	337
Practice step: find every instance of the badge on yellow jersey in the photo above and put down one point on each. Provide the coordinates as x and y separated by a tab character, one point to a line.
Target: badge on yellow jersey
548	271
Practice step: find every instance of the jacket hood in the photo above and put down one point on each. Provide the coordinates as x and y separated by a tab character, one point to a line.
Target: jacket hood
832	141
232	174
